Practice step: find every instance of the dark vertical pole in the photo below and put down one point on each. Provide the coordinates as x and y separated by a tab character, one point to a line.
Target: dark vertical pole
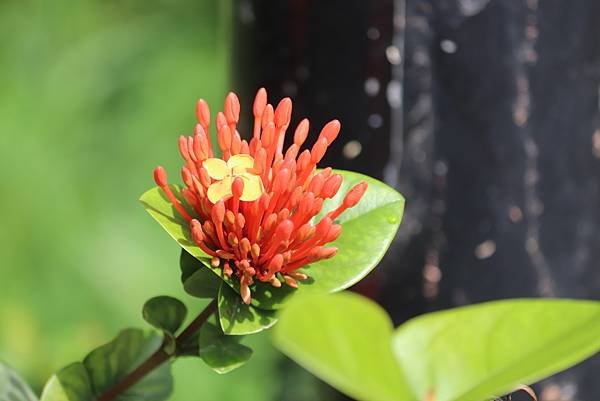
330	58
484	113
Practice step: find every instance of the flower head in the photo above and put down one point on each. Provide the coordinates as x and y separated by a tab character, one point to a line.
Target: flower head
256	207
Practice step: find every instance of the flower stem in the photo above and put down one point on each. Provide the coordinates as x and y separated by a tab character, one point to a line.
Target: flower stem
159	357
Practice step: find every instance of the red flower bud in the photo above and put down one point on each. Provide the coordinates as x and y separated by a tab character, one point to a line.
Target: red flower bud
273	235
330	131
260	102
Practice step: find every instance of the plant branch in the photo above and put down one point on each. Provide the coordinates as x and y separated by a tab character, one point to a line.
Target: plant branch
159	357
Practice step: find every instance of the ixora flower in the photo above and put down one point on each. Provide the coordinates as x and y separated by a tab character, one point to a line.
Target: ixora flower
255	207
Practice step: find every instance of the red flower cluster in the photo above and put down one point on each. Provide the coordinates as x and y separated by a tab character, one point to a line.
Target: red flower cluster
254	207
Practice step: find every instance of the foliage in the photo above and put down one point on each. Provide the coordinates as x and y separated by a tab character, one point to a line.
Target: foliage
367	232
107	365
217	342
471	353
166	314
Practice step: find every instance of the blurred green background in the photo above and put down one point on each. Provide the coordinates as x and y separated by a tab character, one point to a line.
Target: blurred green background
93	95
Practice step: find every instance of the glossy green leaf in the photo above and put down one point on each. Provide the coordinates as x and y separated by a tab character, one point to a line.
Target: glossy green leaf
221	352
368	230
345	341
107	365
472	353
167	314
189	265
197	279
478	352
13	387
158	205
237	318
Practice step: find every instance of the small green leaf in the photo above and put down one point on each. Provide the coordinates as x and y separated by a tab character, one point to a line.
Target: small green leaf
167	314
482	351
237	318
344	340
368	230
197	279
107	365
221	352
12	387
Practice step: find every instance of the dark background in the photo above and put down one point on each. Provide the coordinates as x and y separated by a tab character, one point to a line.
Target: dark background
484	114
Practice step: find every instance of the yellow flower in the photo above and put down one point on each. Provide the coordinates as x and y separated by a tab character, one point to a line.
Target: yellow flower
225	172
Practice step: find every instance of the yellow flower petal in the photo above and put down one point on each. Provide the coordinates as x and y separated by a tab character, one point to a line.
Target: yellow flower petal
220	190
239	163
217	169
253	187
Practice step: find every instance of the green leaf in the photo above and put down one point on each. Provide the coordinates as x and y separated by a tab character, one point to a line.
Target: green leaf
167	314
472	353
368	230
158	205
189	265
482	351
344	340
13	387
71	383
107	365
237	318
197	279
221	352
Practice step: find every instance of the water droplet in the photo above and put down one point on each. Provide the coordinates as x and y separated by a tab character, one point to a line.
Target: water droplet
515	214
472	7
372	86
432	273
485	249
394	94
393	55
392	219
375	121
440	168
536	207
448	46
420	57
373	33
352	149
